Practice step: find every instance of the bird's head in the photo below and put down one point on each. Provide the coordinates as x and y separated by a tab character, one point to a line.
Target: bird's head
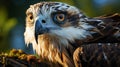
55	18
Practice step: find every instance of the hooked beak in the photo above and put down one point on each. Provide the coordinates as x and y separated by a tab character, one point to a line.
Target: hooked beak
39	29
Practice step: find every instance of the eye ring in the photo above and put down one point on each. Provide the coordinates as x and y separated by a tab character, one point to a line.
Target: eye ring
60	17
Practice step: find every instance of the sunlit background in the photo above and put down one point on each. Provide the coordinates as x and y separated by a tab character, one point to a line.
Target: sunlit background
12	18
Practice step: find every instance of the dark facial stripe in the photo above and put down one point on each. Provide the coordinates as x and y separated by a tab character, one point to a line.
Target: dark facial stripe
74	19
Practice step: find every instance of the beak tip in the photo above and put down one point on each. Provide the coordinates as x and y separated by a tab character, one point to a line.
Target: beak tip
36	38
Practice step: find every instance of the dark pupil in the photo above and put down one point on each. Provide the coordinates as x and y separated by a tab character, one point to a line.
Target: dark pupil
61	17
31	17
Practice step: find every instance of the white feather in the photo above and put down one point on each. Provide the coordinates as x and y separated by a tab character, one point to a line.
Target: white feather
71	33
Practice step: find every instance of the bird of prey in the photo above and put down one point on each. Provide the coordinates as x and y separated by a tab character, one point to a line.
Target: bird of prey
56	30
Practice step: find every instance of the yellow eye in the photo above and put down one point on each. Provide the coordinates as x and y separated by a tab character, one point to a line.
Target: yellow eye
30	17
60	17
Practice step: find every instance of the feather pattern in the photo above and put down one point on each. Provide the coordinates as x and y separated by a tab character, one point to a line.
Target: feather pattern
61	46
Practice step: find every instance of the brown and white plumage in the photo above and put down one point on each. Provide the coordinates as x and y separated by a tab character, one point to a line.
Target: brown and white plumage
56	29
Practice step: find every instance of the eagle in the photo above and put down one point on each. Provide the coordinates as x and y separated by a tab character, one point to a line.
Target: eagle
57	32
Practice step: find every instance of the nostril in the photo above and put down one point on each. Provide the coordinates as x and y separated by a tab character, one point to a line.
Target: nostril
43	21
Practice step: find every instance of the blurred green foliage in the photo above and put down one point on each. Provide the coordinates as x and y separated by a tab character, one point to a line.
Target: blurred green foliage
12	15
6	24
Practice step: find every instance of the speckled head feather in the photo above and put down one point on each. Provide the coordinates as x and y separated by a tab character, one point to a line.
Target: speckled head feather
53	27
